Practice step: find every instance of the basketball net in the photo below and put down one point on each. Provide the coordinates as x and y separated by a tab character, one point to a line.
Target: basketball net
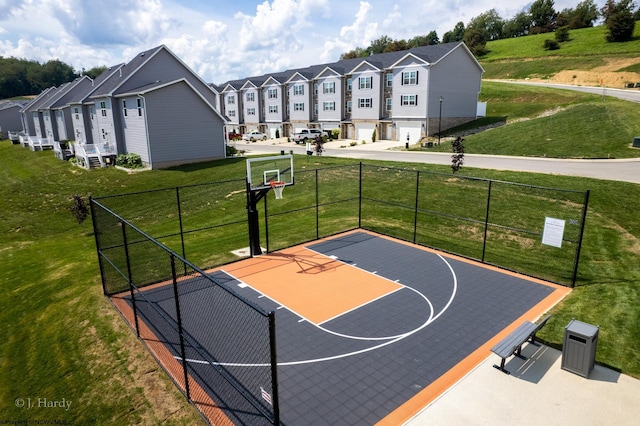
277	187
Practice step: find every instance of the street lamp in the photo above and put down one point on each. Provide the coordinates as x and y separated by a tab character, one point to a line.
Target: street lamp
440	120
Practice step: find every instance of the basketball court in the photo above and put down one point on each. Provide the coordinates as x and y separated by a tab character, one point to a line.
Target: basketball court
370	329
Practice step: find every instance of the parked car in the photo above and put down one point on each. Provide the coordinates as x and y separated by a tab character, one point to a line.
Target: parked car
253	136
307	134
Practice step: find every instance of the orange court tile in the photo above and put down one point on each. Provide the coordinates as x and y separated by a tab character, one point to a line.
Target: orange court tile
314	286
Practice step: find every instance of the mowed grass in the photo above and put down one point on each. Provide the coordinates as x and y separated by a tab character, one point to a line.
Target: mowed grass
62	338
525	57
548	122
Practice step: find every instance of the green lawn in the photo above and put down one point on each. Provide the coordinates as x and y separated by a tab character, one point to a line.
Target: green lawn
62	338
523	57
543	121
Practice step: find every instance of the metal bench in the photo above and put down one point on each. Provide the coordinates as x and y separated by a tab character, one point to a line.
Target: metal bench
512	344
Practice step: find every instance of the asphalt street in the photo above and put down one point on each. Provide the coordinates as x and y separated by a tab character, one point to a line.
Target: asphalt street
627	170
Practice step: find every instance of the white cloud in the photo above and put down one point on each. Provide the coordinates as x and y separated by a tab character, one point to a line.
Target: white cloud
226	41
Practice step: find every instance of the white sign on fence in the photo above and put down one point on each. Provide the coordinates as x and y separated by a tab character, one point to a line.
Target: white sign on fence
553	232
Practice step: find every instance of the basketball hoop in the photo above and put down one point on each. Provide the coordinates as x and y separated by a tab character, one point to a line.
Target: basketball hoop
277	187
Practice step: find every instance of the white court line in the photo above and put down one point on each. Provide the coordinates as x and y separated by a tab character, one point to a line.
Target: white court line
345	355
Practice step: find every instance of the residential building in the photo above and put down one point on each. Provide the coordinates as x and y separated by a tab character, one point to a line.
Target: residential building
402	95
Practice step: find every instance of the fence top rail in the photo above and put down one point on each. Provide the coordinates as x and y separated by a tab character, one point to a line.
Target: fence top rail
173	254
169	188
474	178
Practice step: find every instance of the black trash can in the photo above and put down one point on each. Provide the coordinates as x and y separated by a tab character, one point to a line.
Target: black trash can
636	142
579	348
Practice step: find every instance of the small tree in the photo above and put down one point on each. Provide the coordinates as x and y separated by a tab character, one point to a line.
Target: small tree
562	34
79	209
619	19
373	136
457	159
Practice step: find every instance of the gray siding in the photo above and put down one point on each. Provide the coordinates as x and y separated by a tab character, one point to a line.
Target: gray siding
104	132
334	99
10	120
277	102
200	135
164	67
251	121
373	93
420	89
457	79
300	99
133	123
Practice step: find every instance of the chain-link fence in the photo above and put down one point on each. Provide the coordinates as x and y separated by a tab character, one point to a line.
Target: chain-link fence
217	347
144	239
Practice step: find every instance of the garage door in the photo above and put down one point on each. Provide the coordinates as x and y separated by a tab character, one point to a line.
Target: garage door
413	129
364	131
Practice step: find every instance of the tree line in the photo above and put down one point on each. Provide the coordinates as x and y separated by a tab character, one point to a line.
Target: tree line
20	77
541	17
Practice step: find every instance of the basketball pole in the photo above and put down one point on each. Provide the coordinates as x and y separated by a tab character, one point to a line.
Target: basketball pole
253	218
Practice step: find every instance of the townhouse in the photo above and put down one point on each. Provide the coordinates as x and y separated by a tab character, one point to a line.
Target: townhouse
154	106
402	95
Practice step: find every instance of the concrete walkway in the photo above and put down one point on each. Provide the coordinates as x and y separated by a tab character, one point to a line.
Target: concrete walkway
537	392
626	170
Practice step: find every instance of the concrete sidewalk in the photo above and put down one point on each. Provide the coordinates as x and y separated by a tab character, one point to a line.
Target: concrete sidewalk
537	392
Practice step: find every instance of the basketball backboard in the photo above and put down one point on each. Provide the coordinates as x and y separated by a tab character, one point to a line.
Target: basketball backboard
263	170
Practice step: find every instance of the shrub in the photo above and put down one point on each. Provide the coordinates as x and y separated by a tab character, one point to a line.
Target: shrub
130	161
231	151
373	136
335	133
277	133
79	209
562	34
551	45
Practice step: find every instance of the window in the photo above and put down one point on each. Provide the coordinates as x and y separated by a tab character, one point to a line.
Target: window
103	108
251	111
76	111
232	113
388	104
104	134
251	96
365	102
298	89
139	104
329	87
315	88
389	79
231	99
349	103
328	106
409	100
365	82
315	109
298	106
273	109
272	93
124	107
410	77
349	84
92	111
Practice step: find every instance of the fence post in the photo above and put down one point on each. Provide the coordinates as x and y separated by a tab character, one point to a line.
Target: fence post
360	197
96	232
184	255
129	275
486	221
415	216
582	224
183	354
317	209
274	368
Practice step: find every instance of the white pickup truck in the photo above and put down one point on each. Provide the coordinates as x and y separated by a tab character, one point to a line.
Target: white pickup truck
304	134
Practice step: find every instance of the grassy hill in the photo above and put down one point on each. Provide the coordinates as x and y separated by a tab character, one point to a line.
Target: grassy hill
587	51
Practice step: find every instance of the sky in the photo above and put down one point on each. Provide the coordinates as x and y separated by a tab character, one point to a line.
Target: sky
226	40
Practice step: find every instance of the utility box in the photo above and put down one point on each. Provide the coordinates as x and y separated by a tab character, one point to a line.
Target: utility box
636	142
579	348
